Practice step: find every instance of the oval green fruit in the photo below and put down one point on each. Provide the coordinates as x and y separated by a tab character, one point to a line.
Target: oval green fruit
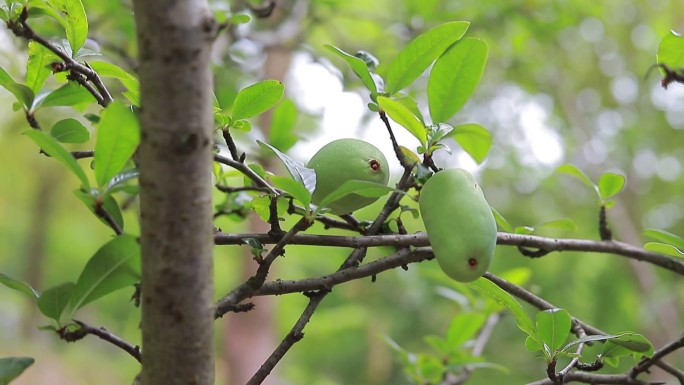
459	224
347	159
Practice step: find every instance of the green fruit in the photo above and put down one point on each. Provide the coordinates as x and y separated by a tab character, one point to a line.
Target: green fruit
347	159
459	224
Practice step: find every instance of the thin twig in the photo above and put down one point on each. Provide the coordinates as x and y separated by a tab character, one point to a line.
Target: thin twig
578	353
104	214
21	28
592	378
294	336
536	301
248	172
232	301
102	333
395	145
83	154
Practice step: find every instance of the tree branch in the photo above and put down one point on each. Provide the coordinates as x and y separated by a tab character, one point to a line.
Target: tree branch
102	333
647	362
79	72
400	258
294	336
535	301
592	378
243	168
507	239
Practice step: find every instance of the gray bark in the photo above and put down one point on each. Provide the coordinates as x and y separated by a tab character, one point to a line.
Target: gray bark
174	39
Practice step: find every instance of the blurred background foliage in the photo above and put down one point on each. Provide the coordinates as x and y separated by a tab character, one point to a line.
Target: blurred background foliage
565	83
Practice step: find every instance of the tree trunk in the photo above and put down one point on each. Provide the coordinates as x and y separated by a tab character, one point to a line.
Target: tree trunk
175	156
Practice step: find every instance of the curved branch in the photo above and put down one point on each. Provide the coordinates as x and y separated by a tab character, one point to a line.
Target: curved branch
591	378
83	73
401	257
102	333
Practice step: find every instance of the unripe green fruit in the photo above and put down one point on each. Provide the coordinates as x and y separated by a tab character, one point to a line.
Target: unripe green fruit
459	224
347	159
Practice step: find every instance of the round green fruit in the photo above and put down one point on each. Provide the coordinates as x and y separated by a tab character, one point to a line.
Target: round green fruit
347	159
459	224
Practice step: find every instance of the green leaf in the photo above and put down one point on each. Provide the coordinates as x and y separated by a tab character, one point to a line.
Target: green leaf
282	124
553	327
360	187
129	81
239	18
18	285
22	93
76	22
664	248
454	77
114	266
118	136
412	106
300	173
610	184
438	344
69	94
626	344
502	222
671	51
359	67
294	188
404	117
70	131
500	296
463	328
417	56
257	98
533	345
54	300
38	65
573	170
560	223
474	140
665	237
12	367
587	339
59	153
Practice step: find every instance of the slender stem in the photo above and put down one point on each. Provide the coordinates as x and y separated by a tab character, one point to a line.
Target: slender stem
294	336
102	333
243	168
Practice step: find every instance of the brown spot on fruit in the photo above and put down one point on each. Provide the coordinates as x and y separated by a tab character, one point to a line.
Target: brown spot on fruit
374	165
472	262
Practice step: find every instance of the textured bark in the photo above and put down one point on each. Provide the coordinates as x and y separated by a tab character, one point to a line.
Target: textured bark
174	39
